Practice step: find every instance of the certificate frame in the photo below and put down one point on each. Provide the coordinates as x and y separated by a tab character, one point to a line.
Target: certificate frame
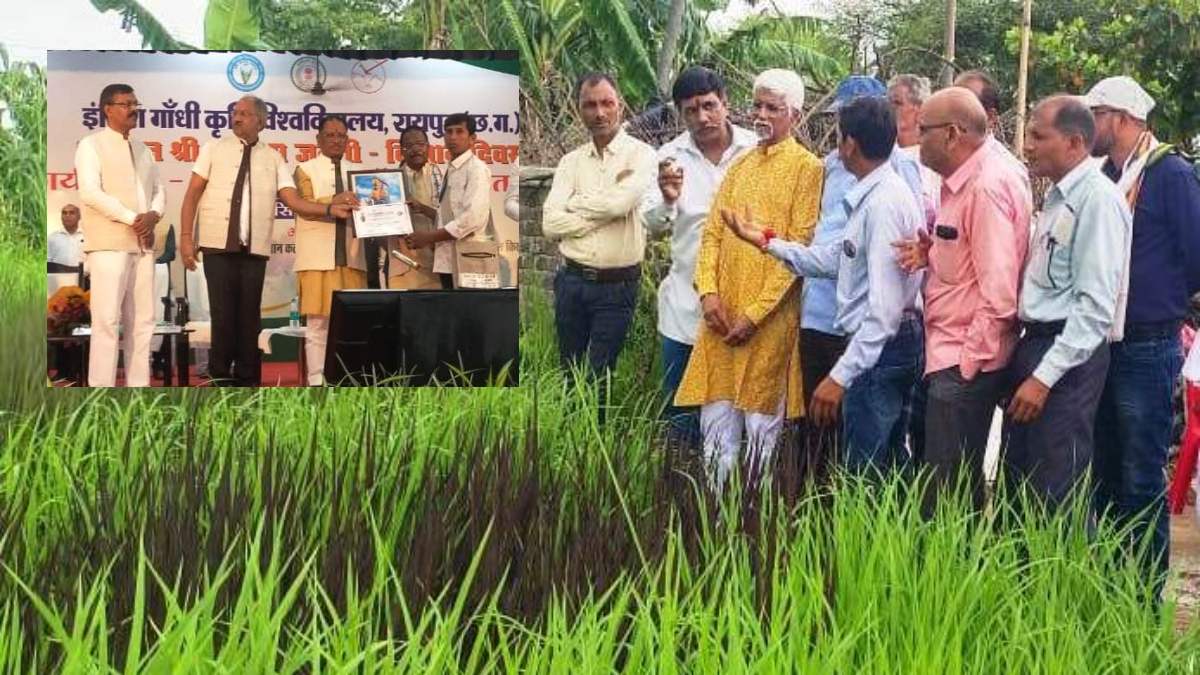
383	209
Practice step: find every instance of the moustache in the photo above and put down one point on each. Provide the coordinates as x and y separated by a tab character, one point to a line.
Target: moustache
764	130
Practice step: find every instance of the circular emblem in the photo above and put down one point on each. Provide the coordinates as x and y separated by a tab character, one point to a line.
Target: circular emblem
308	74
245	72
369	77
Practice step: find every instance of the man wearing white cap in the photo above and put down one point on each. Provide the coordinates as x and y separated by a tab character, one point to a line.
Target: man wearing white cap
1134	419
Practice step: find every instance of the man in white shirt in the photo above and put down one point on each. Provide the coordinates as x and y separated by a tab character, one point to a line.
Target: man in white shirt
593	213
123	200
464	206
64	248
231	222
907	93
512	199
690	170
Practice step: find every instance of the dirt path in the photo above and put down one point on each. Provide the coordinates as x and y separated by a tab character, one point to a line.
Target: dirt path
1185	559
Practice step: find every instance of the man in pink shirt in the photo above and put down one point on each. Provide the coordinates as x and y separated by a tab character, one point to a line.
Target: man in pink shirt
975	256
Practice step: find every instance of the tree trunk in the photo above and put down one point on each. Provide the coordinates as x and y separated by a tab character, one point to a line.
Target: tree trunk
951	22
436	36
1018	143
666	56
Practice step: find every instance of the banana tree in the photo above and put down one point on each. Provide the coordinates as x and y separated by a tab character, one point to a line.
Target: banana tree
234	24
154	35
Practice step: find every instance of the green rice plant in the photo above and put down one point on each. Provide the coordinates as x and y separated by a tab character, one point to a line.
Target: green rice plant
23	154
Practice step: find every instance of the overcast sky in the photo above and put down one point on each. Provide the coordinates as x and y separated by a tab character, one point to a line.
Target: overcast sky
27	29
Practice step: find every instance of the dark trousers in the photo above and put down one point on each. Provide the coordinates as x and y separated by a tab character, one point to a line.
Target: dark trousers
683	423
1050	455
235	284
592	319
957	420
819	353
1133	432
371	246
877	404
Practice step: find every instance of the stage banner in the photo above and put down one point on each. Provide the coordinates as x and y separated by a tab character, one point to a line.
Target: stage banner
187	98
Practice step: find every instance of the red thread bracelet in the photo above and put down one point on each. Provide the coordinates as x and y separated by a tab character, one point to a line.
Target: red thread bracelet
768	235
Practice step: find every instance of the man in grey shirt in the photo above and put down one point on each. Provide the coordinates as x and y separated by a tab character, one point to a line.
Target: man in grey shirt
1067	304
876	299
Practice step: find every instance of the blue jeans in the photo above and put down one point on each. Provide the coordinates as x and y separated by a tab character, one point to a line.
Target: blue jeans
1133	431
592	319
876	406
683	423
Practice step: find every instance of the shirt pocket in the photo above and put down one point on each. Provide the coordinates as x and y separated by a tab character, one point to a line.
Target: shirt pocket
948	255
1050	258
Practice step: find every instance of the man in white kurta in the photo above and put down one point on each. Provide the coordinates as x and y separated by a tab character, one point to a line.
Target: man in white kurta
123	201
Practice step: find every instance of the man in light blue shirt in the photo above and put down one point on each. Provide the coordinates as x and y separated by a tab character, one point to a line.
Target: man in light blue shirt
821	342
691	167
1067	305
876	299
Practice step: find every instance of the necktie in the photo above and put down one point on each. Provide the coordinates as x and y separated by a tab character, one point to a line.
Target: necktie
339	244
233	240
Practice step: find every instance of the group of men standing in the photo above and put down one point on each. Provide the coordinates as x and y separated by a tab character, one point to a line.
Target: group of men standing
902	288
227	221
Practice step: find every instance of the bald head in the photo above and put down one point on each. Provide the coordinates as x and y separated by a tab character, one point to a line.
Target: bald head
958	106
954	126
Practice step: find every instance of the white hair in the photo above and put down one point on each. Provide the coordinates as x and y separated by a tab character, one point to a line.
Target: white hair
260	107
918	88
785	83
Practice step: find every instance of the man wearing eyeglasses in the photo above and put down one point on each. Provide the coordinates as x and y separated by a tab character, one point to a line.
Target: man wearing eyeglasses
123	201
422	182
1134	424
975	255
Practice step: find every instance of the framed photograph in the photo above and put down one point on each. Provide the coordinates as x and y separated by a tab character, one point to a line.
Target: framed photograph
383	211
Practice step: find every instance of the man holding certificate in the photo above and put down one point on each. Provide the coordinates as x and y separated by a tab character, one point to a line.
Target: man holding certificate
464	205
421	182
328	255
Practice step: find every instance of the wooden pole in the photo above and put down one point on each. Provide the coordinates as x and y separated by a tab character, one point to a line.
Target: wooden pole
951	21
1018	143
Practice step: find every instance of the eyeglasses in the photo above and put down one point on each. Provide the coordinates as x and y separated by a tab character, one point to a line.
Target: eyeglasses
925	128
130	105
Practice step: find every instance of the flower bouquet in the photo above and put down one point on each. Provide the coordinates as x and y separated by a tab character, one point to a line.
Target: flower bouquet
67	309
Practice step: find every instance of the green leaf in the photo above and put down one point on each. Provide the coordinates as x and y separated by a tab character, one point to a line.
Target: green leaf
233	24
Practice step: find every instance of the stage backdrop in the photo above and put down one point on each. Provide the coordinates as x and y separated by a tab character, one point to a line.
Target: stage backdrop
187	98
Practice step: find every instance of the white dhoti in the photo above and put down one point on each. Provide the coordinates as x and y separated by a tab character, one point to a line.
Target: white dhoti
722	426
316	335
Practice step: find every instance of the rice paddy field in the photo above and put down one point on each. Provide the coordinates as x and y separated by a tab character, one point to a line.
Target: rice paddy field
498	531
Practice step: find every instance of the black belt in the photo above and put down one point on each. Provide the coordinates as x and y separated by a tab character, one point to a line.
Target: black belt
1043	328
603	275
1151	330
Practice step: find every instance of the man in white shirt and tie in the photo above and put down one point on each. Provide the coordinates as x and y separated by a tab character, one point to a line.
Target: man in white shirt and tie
123	200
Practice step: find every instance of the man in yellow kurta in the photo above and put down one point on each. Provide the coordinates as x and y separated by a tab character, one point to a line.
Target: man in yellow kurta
745	370
328	256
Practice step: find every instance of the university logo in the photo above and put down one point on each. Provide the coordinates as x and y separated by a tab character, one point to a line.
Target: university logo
308	75
245	72
369	77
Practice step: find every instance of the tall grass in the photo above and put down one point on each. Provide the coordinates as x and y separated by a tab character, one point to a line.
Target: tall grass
504	530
